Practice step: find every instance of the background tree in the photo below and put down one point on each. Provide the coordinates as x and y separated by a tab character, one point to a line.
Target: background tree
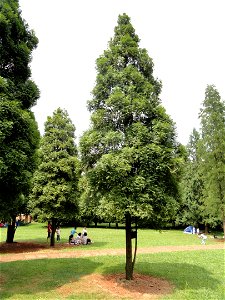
212	149
129	153
18	130
55	184
88	204
192	211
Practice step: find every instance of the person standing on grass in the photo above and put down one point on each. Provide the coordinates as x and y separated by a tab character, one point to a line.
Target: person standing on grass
203	237
49	230
57	234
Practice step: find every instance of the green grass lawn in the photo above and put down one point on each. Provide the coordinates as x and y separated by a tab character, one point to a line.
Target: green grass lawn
196	275
105	238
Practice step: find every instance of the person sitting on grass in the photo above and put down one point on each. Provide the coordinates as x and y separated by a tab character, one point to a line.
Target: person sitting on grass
71	237
86	240
77	240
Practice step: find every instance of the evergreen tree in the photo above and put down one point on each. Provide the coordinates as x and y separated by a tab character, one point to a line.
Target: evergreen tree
212	149
130	152
55	184
18	130
191	211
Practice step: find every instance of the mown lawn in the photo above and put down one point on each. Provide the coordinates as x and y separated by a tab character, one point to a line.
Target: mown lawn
196	275
106	238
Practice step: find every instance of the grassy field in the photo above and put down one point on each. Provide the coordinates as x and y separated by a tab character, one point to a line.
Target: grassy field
105	238
196	275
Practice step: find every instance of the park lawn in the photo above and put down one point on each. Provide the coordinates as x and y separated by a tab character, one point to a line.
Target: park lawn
105	238
195	275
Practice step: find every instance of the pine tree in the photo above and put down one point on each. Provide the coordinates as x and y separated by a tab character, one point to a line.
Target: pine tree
191	211
212	118
55	194
129	153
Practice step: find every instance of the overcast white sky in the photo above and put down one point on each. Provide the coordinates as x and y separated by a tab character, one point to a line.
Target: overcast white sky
185	39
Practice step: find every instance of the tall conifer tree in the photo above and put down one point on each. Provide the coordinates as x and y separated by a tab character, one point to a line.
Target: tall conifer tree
212	118
129	152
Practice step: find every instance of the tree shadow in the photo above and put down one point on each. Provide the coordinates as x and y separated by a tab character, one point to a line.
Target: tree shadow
182	275
42	275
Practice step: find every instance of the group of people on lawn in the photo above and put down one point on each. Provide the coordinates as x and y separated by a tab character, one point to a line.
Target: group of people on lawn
75	238
81	238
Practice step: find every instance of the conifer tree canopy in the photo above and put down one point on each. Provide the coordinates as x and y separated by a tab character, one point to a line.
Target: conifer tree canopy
55	184
129	152
212	153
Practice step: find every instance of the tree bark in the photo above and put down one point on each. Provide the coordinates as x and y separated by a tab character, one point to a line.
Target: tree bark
129	265
135	249
52	240
11	231
206	229
223	228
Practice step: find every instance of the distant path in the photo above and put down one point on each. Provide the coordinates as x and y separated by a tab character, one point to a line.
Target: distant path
88	253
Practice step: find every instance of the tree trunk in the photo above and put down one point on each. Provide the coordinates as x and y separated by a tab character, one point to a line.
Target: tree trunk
223	220
206	229
52	240
11	231
135	249
117	225
129	265
224	228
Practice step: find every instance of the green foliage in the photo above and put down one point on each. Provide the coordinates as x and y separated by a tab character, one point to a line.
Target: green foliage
19	138
213	153
17	42
55	183
16	45
130	154
19	135
192	185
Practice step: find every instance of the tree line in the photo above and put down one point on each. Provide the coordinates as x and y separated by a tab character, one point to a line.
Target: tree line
128	166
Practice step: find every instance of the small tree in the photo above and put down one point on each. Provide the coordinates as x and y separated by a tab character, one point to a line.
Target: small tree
129	153
212	149
55	184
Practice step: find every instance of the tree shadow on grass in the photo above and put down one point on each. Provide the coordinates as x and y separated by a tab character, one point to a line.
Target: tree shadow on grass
182	275
39	276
